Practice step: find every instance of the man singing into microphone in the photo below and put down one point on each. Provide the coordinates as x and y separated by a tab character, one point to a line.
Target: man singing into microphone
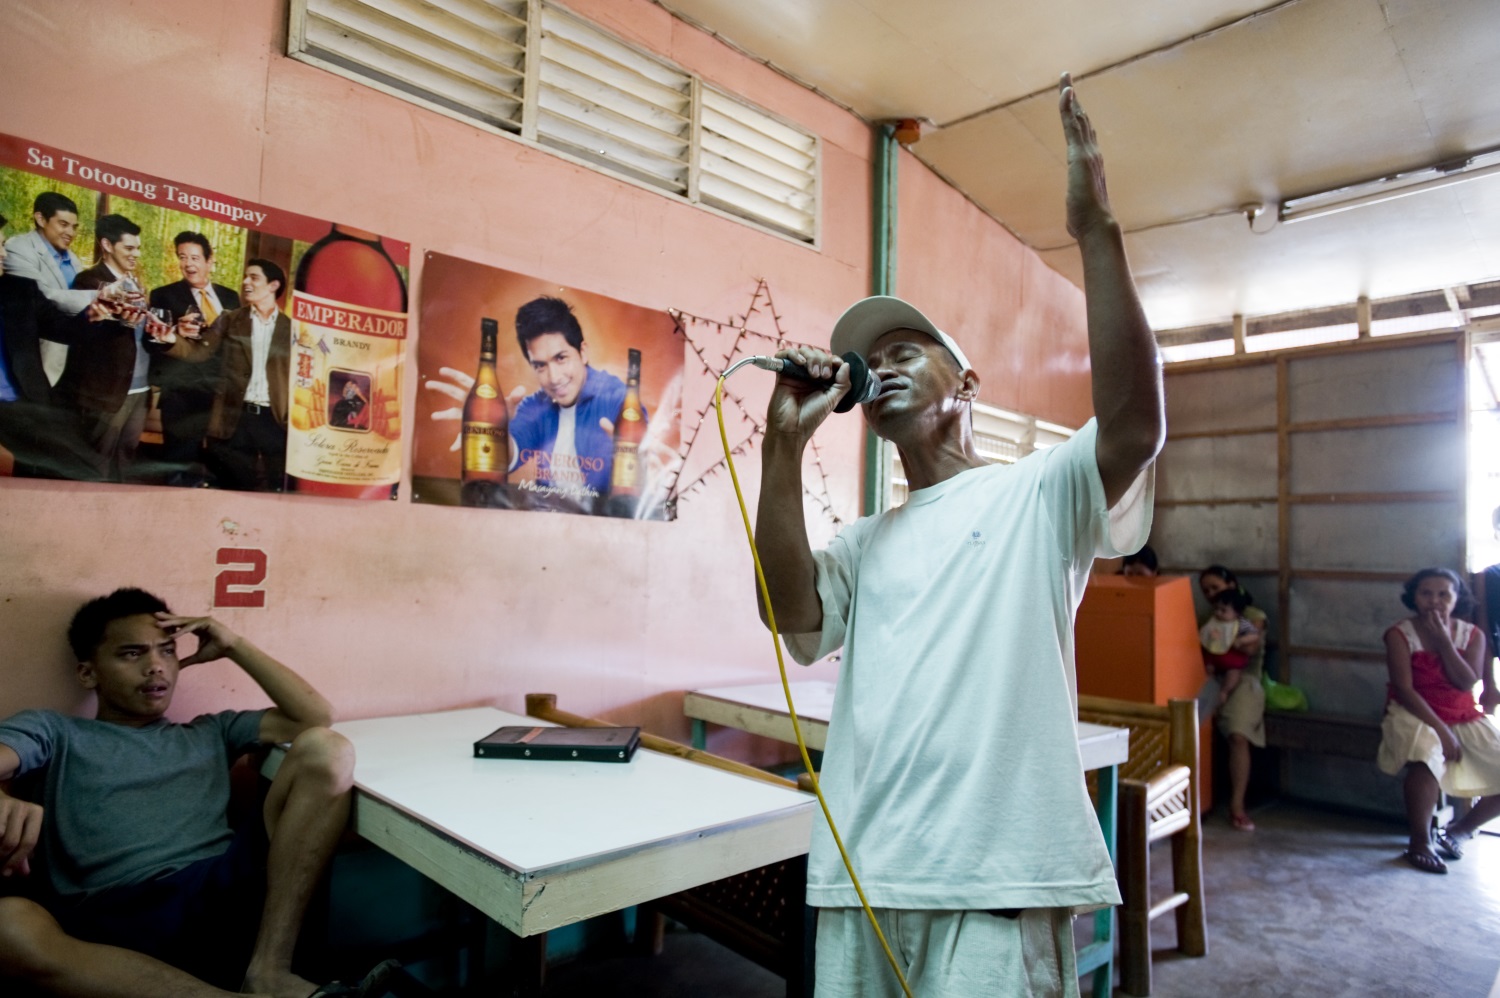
952	764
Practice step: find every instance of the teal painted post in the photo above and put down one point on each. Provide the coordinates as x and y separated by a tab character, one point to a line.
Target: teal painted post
882	282
1107	806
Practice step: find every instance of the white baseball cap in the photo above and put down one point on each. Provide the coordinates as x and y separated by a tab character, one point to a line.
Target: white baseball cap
869	319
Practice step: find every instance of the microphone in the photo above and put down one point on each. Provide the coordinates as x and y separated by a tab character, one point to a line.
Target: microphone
863	386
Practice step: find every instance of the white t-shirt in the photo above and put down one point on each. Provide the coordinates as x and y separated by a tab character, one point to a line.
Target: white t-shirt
262	328
564	463
952	766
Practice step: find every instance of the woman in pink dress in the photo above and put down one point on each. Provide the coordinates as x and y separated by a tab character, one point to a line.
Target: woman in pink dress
1434	728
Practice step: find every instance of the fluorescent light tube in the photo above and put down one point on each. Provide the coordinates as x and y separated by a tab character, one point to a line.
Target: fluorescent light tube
1386	189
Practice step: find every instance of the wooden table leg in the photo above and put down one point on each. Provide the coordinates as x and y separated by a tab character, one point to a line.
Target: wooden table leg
700	734
650	930
531	966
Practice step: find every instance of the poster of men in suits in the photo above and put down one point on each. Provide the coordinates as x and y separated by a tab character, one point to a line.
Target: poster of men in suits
152	332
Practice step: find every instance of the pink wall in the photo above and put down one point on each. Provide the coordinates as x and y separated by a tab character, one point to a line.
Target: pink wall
1021	323
394	607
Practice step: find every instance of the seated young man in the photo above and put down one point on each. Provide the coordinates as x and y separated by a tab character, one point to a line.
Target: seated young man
133	882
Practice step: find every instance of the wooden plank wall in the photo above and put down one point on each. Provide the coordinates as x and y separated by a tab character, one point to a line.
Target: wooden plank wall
1323	477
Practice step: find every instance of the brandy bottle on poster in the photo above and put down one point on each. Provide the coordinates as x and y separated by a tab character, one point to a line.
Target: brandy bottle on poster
486	425
625	479
350	266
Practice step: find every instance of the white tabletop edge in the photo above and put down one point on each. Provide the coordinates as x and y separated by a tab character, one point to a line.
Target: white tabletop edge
771	697
765	818
523	873
1099	744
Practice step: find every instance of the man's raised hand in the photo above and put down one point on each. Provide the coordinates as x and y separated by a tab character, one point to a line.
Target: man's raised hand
1088	199
215	641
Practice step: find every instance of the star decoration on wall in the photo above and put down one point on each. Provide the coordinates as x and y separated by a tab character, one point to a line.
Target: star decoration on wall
742	338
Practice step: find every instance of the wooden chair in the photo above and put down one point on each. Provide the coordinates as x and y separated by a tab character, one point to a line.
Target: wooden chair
1158	798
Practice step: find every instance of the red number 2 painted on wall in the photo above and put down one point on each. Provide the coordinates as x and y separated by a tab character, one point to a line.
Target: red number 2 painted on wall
232	585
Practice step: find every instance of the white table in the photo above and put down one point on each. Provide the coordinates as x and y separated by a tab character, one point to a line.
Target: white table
761	708
538	845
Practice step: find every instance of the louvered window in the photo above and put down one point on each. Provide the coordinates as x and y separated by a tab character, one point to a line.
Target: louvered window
1000	436
540	72
754	165
465	57
607	103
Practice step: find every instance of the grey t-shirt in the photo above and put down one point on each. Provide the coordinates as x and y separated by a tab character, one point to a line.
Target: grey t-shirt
122	804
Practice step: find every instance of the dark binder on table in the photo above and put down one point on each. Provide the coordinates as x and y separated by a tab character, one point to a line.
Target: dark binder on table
570	744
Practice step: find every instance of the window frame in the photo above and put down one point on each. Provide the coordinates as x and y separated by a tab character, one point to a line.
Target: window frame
1027	433
299	48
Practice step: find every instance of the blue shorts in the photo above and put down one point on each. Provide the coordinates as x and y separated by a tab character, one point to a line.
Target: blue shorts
201	919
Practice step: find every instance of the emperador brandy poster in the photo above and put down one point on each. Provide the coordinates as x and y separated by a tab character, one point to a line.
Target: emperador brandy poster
158	333
535	396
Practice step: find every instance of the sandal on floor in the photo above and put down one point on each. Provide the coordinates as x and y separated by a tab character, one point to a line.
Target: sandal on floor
1425	861
379	980
1450	846
336	989
1241	823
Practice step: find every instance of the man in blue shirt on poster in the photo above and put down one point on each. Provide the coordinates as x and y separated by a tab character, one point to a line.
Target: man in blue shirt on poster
567	426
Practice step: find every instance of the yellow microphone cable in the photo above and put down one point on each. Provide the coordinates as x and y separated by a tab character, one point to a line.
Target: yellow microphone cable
765	594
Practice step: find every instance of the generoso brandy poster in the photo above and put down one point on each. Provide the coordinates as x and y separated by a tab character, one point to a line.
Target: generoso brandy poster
535	396
157	333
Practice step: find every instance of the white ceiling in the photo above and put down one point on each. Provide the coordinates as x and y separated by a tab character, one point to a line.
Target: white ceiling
1202	106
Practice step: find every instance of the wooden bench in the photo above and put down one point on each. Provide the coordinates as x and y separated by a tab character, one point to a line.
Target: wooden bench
1328	734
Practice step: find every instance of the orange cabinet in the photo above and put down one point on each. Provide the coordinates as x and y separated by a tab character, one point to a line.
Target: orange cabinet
1137	639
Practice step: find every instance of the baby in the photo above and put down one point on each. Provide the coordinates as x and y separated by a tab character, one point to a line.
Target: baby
1220	634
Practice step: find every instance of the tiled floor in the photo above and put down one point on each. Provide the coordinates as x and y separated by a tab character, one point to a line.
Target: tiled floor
1310	904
